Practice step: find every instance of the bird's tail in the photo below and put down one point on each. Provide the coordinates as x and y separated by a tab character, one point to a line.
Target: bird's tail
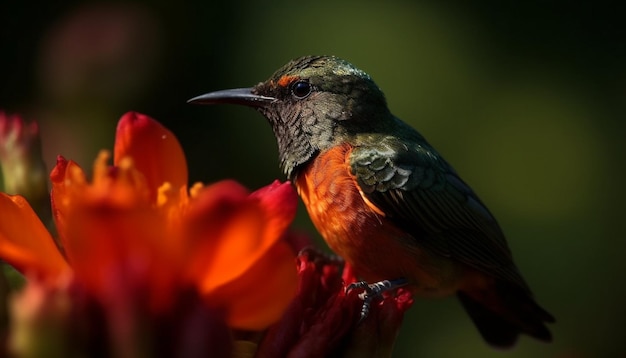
505	311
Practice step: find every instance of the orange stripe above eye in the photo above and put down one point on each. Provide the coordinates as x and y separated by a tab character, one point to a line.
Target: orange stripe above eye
285	80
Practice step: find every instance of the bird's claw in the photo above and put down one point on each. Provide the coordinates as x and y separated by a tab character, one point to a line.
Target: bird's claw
372	291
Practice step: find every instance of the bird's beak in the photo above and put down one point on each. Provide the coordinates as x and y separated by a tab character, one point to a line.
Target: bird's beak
241	96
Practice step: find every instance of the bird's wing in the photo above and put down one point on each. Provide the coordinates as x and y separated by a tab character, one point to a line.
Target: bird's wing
420	192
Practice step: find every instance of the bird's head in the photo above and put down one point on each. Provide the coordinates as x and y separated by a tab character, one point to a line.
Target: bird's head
312	103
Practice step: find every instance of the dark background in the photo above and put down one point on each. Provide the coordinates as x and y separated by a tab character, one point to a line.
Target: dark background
525	99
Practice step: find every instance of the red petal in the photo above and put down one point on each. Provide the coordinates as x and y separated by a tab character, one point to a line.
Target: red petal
319	317
376	335
24	241
155	151
322	319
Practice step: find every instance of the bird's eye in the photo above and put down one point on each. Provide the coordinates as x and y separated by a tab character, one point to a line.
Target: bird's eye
301	89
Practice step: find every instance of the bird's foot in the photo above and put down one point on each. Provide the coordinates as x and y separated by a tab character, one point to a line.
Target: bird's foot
372	291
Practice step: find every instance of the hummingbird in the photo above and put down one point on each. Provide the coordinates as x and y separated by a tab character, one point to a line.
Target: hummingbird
385	200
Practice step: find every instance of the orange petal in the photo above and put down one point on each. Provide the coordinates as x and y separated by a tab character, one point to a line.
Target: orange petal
228	231
279	202
121	186
24	241
234	249
205	238
253	232
118	251
65	177
260	296
155	151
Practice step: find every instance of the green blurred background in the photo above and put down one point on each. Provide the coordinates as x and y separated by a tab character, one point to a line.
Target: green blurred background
526	99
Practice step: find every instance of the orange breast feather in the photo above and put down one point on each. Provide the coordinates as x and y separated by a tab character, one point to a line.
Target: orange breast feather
353	228
359	232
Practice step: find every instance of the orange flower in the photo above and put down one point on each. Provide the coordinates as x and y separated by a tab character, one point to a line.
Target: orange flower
135	227
145	267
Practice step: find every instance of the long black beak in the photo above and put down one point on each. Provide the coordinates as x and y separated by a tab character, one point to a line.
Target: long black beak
241	96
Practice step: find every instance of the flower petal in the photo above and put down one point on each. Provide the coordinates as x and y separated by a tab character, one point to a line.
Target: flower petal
155	151
279	201
24	241
66	177
233	230
322	320
117	251
320	316
376	335
121	186
260	296
112	235
221	233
